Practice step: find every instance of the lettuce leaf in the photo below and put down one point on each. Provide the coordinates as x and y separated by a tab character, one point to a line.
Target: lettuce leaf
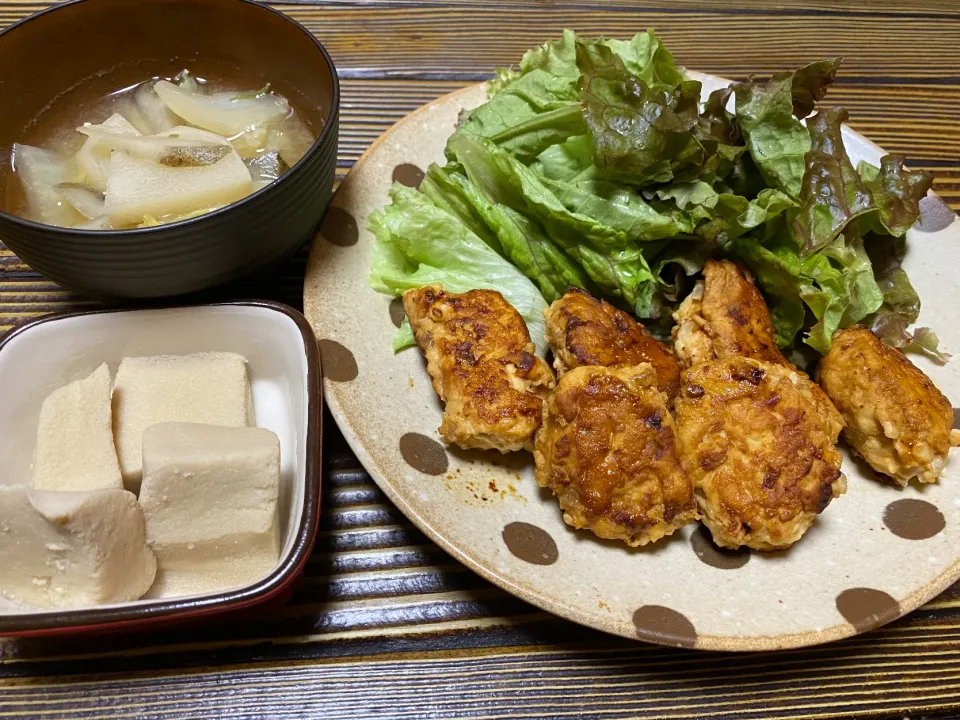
743	179
537	106
418	244
715	123
620	208
843	292
530	249
775	139
837	284
451	191
646	57
642	134
594	165
556	58
775	265
833	193
567	161
613	262
534	108
722	216
809	85
901	304
718	132
689	194
520	239
824	264
511	121
896	191
672	267
768	117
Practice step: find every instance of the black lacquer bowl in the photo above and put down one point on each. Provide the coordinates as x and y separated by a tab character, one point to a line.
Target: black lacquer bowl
85	49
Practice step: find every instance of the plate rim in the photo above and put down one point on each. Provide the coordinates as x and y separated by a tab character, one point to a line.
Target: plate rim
725	643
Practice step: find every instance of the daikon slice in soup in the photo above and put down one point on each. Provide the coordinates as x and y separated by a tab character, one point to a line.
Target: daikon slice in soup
163	150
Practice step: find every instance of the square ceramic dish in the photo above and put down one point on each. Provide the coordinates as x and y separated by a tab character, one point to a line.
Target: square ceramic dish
284	370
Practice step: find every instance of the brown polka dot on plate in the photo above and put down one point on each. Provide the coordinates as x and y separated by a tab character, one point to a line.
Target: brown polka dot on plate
336	362
397	313
407	174
913	519
956	418
935	215
424	454
866	608
718	557
339	227
530	543
659	624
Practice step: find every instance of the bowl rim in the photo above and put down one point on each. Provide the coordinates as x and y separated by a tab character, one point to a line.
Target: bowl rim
133	614
329	125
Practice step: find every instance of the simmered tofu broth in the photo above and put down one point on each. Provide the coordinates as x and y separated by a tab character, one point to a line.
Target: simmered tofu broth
161	151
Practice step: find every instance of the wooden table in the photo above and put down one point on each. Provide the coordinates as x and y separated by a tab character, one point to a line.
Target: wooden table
384	624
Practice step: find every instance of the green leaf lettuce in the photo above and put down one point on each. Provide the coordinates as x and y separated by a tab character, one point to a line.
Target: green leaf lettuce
419	244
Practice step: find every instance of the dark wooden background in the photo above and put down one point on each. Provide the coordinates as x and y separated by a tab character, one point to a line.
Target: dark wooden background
384	624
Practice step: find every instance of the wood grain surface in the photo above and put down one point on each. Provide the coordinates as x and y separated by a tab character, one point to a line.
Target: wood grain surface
385	625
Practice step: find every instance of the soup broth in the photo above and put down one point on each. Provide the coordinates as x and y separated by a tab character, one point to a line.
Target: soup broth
159	151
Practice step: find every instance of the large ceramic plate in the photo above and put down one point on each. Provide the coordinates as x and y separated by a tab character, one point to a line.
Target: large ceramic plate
877	552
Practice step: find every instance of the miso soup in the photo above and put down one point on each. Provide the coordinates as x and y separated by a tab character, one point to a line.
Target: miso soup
163	150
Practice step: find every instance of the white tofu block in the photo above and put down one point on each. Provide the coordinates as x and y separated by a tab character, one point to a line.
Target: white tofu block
72	549
209	498
210	388
75	438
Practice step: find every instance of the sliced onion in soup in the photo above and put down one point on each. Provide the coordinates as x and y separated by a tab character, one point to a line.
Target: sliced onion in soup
101	222
265	169
291	138
227	114
85	201
41	171
179	147
93	158
154	111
